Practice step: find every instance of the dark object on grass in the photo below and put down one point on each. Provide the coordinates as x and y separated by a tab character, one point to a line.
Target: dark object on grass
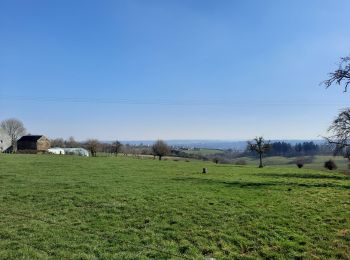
183	249
289	189
330	165
300	162
205	170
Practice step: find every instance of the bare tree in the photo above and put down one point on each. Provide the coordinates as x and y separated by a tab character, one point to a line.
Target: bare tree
160	149
340	76
58	142
135	151
117	147
71	143
126	149
340	132
15	129
93	145
340	127
260	146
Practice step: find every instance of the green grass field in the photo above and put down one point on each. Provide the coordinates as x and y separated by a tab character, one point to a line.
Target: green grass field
316	162
127	208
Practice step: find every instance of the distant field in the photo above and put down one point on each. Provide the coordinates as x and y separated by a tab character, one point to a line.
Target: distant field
203	151
68	207
316	162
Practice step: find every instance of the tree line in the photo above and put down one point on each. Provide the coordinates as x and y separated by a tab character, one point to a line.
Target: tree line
159	148
281	148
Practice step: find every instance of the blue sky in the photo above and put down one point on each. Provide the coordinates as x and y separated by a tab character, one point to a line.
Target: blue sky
175	69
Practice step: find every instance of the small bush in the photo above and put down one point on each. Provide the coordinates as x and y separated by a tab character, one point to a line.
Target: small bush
300	162
330	165
216	160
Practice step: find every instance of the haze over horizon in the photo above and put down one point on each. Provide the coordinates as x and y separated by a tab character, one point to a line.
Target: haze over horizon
146	70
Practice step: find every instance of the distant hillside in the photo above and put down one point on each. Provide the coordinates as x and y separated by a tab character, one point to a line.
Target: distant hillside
214	144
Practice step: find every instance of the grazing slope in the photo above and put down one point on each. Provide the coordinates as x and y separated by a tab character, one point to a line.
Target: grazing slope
125	208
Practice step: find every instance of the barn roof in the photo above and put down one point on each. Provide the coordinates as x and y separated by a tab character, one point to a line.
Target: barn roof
30	138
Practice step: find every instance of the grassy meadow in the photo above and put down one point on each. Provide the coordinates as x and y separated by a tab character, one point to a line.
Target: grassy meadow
311	162
127	208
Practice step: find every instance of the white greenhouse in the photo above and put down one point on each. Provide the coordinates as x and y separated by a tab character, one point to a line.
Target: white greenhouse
56	150
76	151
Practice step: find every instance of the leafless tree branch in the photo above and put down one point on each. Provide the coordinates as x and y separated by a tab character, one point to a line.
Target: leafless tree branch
341	75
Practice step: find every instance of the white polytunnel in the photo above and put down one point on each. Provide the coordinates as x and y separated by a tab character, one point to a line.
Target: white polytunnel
76	151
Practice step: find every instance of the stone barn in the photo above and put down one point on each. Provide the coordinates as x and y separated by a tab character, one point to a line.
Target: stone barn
33	143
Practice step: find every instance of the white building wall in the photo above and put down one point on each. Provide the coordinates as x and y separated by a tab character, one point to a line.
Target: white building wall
5	141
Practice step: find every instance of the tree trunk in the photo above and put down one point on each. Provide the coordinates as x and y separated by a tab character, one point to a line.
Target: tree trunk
14	146
160	157
260	157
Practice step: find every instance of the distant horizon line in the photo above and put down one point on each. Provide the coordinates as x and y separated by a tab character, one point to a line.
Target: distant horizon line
187	140
213	140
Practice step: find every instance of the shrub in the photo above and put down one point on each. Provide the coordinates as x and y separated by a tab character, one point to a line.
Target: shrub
216	160
330	165
300	162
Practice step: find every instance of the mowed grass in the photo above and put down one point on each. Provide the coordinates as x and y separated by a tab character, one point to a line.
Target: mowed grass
127	208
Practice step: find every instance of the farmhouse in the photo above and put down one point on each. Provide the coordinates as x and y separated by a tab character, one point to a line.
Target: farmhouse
34	143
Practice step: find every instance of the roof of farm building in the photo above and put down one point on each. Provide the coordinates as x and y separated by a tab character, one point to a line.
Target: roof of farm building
32	138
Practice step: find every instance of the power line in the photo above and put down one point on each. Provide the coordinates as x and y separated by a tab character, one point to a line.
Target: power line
162	102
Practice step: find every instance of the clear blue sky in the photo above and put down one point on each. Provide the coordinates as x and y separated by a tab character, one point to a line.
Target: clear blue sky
174	69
